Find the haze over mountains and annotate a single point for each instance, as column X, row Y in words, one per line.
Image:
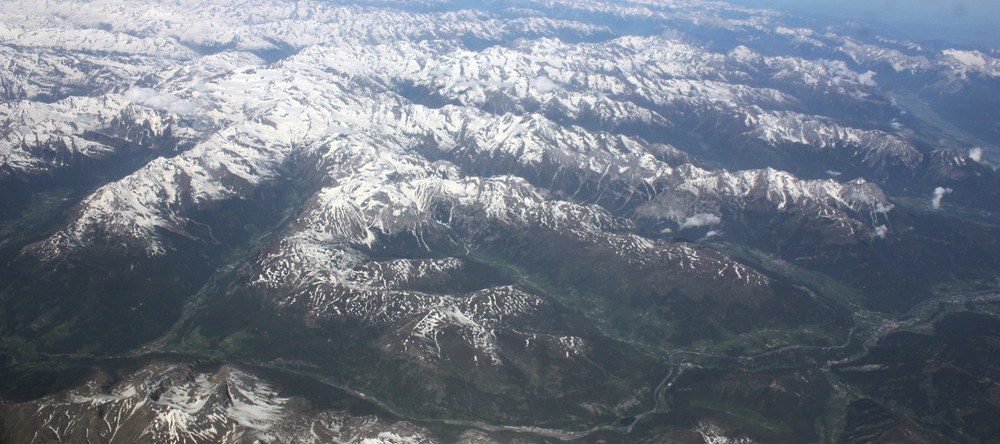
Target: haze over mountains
column 491, row 221
column 956, row 22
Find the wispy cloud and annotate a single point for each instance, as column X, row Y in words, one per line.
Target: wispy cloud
column 701, row 220
column 543, row 84
column 880, row 231
column 155, row 99
column 939, row 192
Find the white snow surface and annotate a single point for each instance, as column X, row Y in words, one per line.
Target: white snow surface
column 338, row 98
column 173, row 403
column 349, row 106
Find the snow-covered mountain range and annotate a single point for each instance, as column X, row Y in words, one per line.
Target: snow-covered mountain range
column 165, row 402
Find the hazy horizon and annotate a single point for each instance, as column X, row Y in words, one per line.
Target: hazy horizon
column 960, row 21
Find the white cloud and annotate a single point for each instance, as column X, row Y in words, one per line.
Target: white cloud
column 939, row 192
column 543, row 84
column 701, row 220
column 867, row 78
column 833, row 173
column 976, row 154
column 712, row 233
column 880, row 231
column 164, row 101
column 858, row 196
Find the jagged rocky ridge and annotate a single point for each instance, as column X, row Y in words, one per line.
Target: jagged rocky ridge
column 176, row 403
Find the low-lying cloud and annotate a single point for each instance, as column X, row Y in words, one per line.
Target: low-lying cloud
column 976, row 154
column 939, row 192
column 543, row 84
column 164, row 101
column 880, row 231
column 701, row 220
